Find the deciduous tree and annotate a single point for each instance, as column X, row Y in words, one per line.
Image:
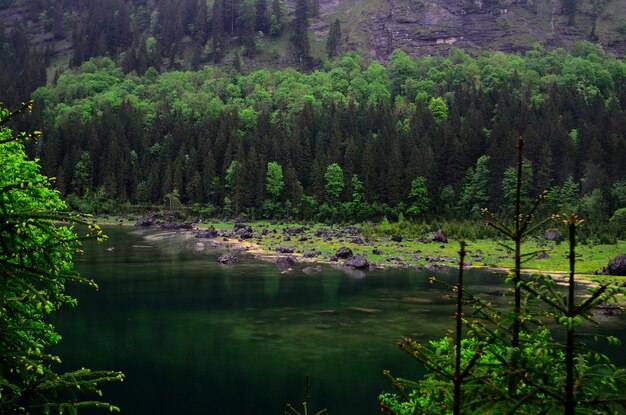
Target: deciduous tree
column 35, row 265
column 334, row 183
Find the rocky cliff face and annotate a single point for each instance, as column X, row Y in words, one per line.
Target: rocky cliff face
column 419, row 27
column 424, row 27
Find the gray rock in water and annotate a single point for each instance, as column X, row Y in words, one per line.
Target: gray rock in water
column 312, row 270
column 439, row 236
column 285, row 262
column 358, row 262
column 344, row 253
column 227, row 259
column 617, row 266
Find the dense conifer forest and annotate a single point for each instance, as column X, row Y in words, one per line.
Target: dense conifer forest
column 166, row 102
column 42, row 38
column 356, row 140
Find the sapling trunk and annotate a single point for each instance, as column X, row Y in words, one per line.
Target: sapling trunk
column 518, row 244
column 570, row 403
column 458, row 380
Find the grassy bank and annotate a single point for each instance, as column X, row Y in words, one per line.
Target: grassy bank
column 410, row 251
column 419, row 251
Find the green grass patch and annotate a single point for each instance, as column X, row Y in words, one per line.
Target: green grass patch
column 415, row 250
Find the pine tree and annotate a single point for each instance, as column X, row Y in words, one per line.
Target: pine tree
column 334, row 39
column 230, row 15
column 246, row 23
column 201, row 22
column 262, row 18
column 301, row 35
column 276, row 19
column 218, row 30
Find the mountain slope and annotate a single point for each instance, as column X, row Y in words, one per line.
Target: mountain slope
column 432, row 27
column 40, row 39
column 420, row 27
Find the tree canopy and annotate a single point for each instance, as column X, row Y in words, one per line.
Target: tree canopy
column 431, row 117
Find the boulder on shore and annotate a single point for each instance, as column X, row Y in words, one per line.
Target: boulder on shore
column 439, row 236
column 352, row 230
column 344, row 253
column 210, row 233
column 437, row 267
column 358, row 262
column 358, row 240
column 170, row 226
column 616, row 266
column 553, row 235
column 243, row 231
column 285, row 249
column 396, row 238
column 144, row 222
column 293, row 231
column 322, row 232
column 227, row 259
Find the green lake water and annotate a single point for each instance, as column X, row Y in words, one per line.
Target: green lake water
column 197, row 337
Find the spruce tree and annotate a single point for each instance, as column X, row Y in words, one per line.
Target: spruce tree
column 334, row 39
column 276, row 19
column 200, row 22
column 301, row 35
column 262, row 18
column 218, row 30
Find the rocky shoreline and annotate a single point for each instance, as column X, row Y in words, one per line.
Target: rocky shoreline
column 290, row 250
column 346, row 247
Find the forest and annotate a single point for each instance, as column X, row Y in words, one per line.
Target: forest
column 51, row 36
column 430, row 137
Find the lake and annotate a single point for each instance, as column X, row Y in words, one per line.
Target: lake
column 196, row 337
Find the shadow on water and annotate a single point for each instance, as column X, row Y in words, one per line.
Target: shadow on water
column 196, row 337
